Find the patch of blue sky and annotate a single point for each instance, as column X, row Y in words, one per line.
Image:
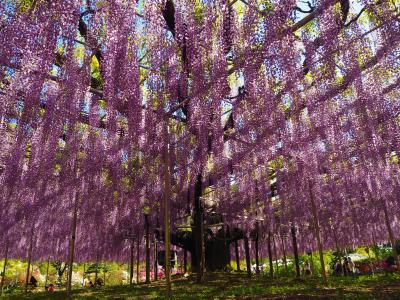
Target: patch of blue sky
column 55, row 70
column 13, row 121
column 102, row 112
column 125, row 156
column 322, row 145
column 85, row 106
column 19, row 105
column 140, row 23
column 43, row 93
column 60, row 42
column 9, row 10
column 349, row 135
column 355, row 7
column 9, row 7
column 287, row 100
column 10, row 71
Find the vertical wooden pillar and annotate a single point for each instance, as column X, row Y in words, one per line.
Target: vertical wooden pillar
column 155, row 259
column 336, row 240
column 72, row 242
column 147, row 236
column 317, row 230
column 312, row 263
column 370, row 260
column 3, row 276
column 47, row 271
column 188, row 212
column 97, row 271
column 132, row 261
column 185, row 261
column 257, row 257
column 389, row 229
column 295, row 250
column 275, row 253
column 247, row 252
column 104, row 277
column 167, row 193
column 83, row 276
column 237, row 255
column 29, row 262
column 284, row 252
column 256, row 246
column 97, row 264
column 271, row 265
column 199, row 229
column 227, row 238
column 374, row 242
column 137, row 260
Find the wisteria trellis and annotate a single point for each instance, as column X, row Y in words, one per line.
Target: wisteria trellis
column 253, row 92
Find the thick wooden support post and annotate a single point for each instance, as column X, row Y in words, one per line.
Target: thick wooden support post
column 256, row 246
column 317, row 230
column 237, row 255
column 132, row 261
column 96, row 274
column 47, row 271
column 147, row 236
column 199, row 230
column 155, row 259
column 137, row 259
column 83, row 276
column 247, row 252
column 72, row 243
column 336, row 240
column 390, row 231
column 29, row 262
column 185, row 252
column 167, row 194
column 3, row 275
column 227, row 237
column 275, row 253
column 271, row 265
column 185, row 261
column 257, row 257
column 284, row 252
column 295, row 250
column 377, row 256
column 312, row 263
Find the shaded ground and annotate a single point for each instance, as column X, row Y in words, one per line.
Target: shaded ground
column 238, row 286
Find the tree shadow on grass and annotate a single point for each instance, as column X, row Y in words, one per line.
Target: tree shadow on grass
column 239, row 286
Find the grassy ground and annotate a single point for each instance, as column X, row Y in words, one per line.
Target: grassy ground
column 238, row 286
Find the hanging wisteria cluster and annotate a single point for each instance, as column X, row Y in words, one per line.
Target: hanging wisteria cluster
column 285, row 113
